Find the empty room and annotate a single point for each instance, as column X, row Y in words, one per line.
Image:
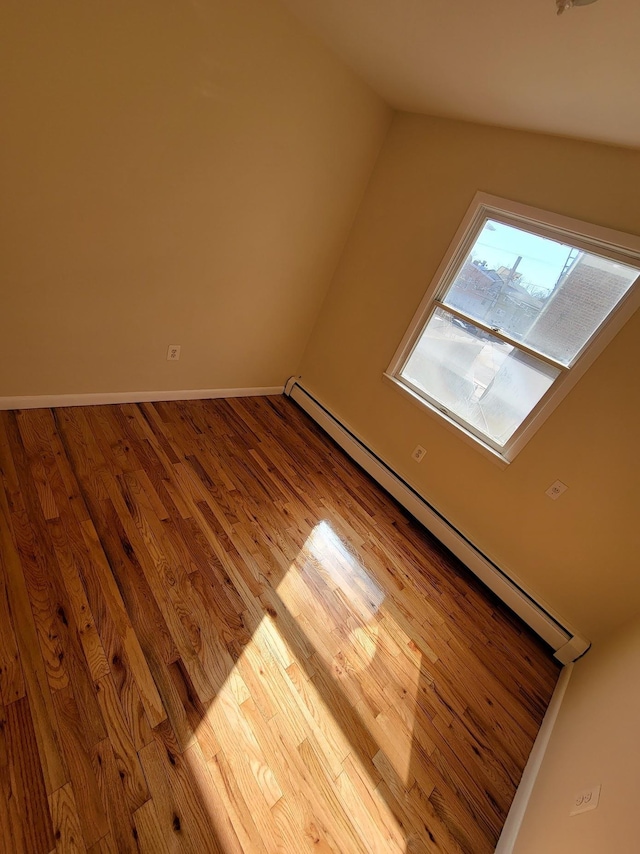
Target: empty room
column 319, row 467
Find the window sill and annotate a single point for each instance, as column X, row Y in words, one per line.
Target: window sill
column 495, row 457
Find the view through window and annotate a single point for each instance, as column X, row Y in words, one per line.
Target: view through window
column 509, row 322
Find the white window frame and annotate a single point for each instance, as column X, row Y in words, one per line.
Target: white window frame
column 605, row 242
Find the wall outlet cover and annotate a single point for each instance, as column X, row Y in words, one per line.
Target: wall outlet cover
column 556, row 489
column 586, row 800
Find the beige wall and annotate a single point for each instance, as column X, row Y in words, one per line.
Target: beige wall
column 579, row 554
column 596, row 739
column 172, row 173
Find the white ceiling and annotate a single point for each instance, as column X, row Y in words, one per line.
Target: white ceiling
column 506, row 62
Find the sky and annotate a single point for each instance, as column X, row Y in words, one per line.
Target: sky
column 542, row 259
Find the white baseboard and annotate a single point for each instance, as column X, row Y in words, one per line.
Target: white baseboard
column 520, row 802
column 48, row 401
column 566, row 643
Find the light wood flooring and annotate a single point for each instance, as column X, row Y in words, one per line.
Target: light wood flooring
column 218, row 635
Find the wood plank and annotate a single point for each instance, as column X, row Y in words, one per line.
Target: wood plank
column 121, row 743
column 181, row 813
column 115, row 800
column 27, row 781
column 11, row 677
column 69, row 564
column 103, row 846
column 341, row 819
column 236, row 806
column 122, row 645
column 58, row 633
column 66, row 822
column 298, row 823
column 213, row 802
column 11, row 831
column 78, row 751
column 33, row 667
column 216, row 633
column 195, row 711
column 151, row 835
column 70, row 426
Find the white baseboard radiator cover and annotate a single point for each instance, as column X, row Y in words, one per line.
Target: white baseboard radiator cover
column 567, row 644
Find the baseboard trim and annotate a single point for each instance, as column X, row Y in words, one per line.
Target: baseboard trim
column 48, row 401
column 567, row 644
column 519, row 805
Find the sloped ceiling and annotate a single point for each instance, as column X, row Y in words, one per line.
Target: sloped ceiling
column 506, row 62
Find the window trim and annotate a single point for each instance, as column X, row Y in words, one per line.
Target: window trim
column 614, row 245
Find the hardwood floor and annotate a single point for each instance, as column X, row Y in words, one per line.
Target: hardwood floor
column 217, row 634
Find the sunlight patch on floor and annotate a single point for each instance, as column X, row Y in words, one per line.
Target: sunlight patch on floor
column 360, row 643
column 329, row 622
column 342, row 567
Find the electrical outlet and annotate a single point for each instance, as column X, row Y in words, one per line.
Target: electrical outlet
column 418, row 453
column 556, row 489
column 173, row 353
column 586, row 800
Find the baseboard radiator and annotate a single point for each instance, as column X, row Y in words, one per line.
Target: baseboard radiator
column 567, row 644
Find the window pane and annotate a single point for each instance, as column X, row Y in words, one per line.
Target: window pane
column 546, row 294
column 488, row 384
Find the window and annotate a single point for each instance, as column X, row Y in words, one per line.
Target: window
column 521, row 305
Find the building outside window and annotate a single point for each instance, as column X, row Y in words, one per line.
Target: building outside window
column 521, row 305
